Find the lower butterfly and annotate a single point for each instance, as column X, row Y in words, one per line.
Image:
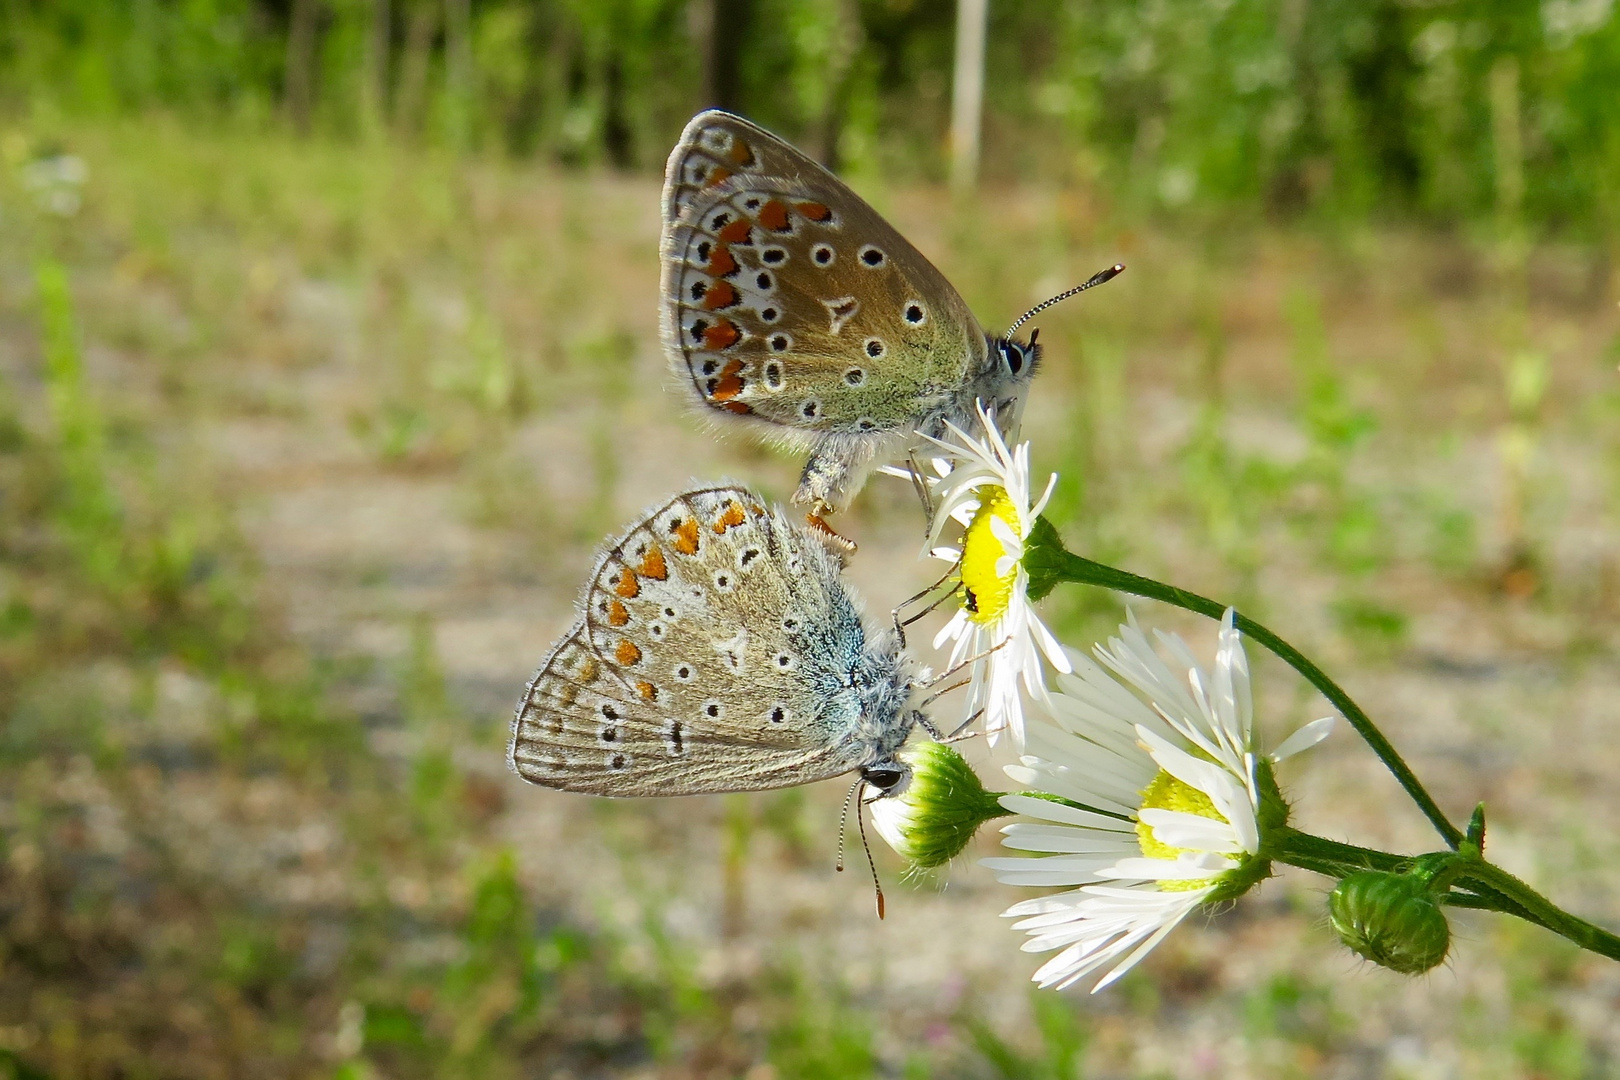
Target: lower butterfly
column 718, row 650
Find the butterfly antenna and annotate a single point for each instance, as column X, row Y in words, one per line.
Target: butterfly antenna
column 1092, row 282
column 843, row 823
column 860, row 819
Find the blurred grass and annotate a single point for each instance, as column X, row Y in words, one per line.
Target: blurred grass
column 254, row 817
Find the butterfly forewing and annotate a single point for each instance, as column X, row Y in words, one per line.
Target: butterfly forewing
column 788, row 298
column 707, row 634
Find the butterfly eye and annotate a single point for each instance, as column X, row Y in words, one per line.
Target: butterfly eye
column 872, row 256
column 914, row 313
column 884, row 777
column 1013, row 357
column 822, row 254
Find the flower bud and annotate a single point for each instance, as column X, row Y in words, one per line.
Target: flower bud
column 1391, row 919
column 933, row 818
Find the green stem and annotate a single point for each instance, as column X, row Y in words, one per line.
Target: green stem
column 1048, row 562
column 1480, row 885
column 1487, row 879
column 1331, row 857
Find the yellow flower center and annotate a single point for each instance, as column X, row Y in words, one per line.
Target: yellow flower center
column 1168, row 793
column 985, row 593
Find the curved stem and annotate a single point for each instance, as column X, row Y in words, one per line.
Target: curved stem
column 1333, row 858
column 1486, row 879
column 1478, row 884
column 1048, row 562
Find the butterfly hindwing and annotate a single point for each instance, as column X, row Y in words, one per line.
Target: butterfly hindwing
column 788, row 298
column 708, row 631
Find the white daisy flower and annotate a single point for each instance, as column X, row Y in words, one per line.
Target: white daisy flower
column 985, row 487
column 1152, row 807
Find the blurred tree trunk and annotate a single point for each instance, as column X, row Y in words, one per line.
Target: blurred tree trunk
column 374, row 81
column 299, row 88
column 720, row 27
column 458, row 70
column 846, row 45
column 411, row 100
column 967, row 92
column 616, row 135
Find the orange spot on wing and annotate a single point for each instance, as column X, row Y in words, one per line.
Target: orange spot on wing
column 732, row 517
column 815, row 211
column 729, row 384
column 588, row 670
column 686, row 537
column 618, row 614
column 628, row 587
column 647, row 690
column 720, row 295
column 627, row 653
column 722, row 335
column 738, row 232
column 718, row 176
column 652, row 565
column 741, row 407
column 721, row 263
column 774, row 216
column 741, row 153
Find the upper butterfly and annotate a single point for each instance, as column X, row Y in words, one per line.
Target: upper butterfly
column 789, row 301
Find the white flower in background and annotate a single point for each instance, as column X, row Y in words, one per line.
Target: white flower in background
column 985, row 487
column 1154, row 807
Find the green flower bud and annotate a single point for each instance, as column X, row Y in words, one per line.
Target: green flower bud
column 1391, row 919
column 932, row 820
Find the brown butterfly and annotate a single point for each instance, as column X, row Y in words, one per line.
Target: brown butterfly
column 791, row 305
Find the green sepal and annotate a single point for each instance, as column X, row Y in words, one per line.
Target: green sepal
column 1044, row 556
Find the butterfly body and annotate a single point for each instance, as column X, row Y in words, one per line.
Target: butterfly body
column 718, row 650
column 791, row 304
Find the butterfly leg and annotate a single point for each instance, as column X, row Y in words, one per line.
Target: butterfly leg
column 958, row 733
column 817, row 520
column 837, row 469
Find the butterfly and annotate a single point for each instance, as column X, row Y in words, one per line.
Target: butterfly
column 790, row 304
column 718, row 650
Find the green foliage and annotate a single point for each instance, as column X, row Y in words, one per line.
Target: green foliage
column 1344, row 109
column 819, row 1036
column 1063, row 1038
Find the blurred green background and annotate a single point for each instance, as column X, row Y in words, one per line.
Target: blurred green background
column 328, row 354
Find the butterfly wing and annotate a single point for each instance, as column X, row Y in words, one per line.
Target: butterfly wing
column 787, row 298
column 712, row 655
